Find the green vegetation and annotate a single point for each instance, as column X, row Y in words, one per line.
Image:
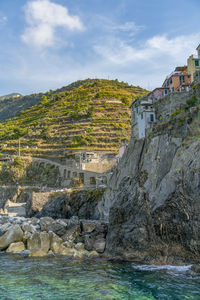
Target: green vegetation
column 24, row 171
column 192, row 101
column 176, row 112
column 90, row 114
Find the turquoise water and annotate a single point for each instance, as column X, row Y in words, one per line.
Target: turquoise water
column 61, row 278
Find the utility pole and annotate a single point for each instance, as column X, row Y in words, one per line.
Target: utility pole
column 19, row 147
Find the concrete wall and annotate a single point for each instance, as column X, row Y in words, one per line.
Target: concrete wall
column 67, row 173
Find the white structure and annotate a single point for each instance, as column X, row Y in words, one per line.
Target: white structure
column 198, row 51
column 143, row 116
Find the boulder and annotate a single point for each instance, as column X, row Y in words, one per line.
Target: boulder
column 14, row 234
column 66, row 251
column 68, row 244
column 93, row 254
column 73, row 221
column 55, row 242
column 80, row 238
column 81, row 254
column 99, row 245
column 38, row 254
column 88, row 227
column 4, row 228
column 26, row 236
column 44, row 241
column 16, row 247
column 72, row 233
column 89, row 242
column 79, row 246
column 34, row 243
column 34, row 221
column 39, row 241
column 26, row 227
column 45, row 222
column 5, row 219
column 101, row 228
column 57, row 228
column 196, row 268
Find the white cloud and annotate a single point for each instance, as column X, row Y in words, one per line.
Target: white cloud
column 43, row 18
column 154, row 49
column 129, row 27
column 148, row 63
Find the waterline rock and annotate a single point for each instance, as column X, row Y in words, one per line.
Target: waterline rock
column 73, row 238
column 14, row 234
column 16, row 247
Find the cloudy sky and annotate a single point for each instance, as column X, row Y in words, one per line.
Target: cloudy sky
column 46, row 44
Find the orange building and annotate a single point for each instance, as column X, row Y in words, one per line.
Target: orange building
column 179, row 80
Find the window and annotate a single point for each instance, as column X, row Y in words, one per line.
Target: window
column 141, row 116
column 196, row 63
column 171, row 81
column 83, row 156
column 151, row 117
column 182, row 79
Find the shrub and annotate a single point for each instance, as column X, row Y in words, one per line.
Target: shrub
column 192, row 101
column 176, row 112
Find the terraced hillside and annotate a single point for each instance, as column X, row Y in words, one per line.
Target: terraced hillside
column 91, row 114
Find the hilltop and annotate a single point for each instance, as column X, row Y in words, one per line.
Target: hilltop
column 11, row 105
column 89, row 114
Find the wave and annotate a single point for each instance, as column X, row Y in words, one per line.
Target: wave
column 176, row 269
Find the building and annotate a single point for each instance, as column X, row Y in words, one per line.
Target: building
column 158, row 93
column 143, row 116
column 197, row 77
column 193, row 64
column 179, row 80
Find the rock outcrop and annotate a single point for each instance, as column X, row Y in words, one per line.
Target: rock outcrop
column 153, row 203
column 83, row 203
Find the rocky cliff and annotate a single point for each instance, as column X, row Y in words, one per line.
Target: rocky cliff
column 152, row 201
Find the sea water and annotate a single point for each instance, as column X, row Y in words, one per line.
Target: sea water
column 60, row 278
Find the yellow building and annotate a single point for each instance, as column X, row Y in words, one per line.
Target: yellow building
column 193, row 64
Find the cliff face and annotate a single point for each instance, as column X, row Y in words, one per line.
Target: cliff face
column 153, row 202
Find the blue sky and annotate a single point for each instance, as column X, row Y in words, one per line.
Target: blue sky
column 46, row 44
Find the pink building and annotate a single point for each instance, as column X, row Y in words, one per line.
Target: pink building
column 179, row 80
column 158, row 93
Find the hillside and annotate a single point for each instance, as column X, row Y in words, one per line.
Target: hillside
column 89, row 114
column 10, row 96
column 11, row 106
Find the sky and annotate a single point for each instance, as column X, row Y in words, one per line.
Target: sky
column 47, row 44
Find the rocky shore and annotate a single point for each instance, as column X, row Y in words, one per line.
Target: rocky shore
column 45, row 236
